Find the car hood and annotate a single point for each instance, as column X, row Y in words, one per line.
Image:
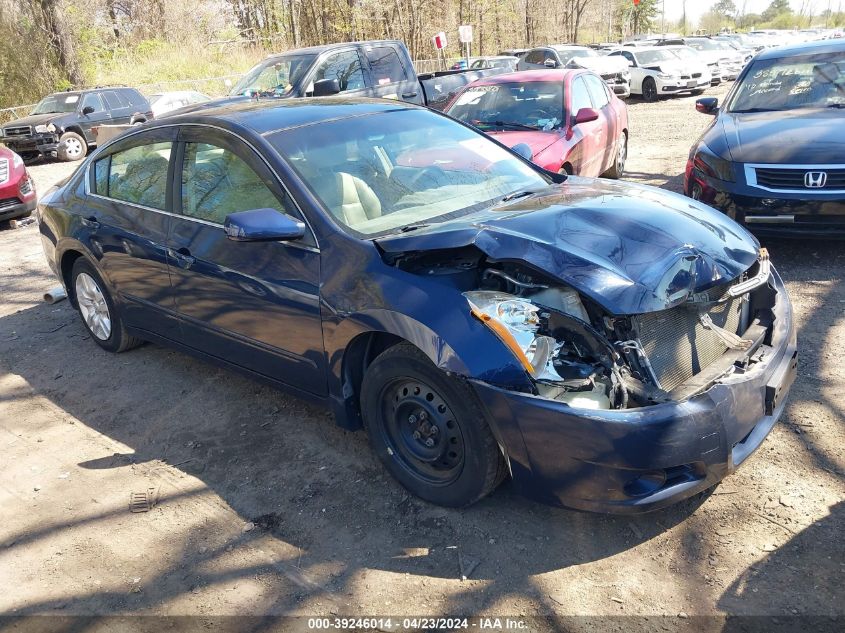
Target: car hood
column 670, row 67
column 630, row 248
column 797, row 137
column 537, row 141
column 600, row 65
column 36, row 119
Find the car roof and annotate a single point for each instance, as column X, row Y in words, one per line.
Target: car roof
column 804, row 48
column 271, row 115
column 316, row 50
column 528, row 76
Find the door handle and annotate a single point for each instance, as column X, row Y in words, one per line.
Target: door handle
column 182, row 256
column 409, row 95
column 91, row 222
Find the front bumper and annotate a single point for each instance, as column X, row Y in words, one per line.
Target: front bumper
column 9, row 209
column 678, row 84
column 770, row 213
column 638, row 460
column 44, row 144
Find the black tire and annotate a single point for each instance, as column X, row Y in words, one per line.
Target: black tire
column 116, row 339
column 404, row 397
column 698, row 92
column 72, row 147
column 649, row 90
column 618, row 168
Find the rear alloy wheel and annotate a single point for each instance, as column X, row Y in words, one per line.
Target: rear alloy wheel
column 429, row 430
column 618, row 168
column 72, row 147
column 649, row 90
column 97, row 309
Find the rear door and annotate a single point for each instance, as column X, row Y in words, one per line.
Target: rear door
column 127, row 219
column 390, row 75
column 120, row 109
column 254, row 304
column 99, row 116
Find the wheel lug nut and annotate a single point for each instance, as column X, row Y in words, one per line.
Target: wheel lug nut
column 429, row 442
column 416, row 435
column 412, row 419
column 434, row 430
column 423, row 415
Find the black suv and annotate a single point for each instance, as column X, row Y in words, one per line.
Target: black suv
column 61, row 124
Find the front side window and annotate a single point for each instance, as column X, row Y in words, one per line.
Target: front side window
column 379, row 173
column 385, row 66
column 137, row 175
column 92, row 100
column 217, row 182
column 345, row 67
column 788, row 83
column 580, row 96
column 511, row 106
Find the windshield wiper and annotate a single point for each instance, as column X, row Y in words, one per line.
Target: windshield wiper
column 517, row 194
column 749, row 110
column 520, row 126
column 412, row 227
column 836, row 105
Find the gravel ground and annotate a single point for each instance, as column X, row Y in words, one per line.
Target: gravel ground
column 265, row 507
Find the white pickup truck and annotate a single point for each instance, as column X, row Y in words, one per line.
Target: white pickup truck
column 614, row 71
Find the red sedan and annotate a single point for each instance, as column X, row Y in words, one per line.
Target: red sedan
column 570, row 119
column 17, row 192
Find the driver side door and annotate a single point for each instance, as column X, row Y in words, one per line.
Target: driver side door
column 253, row 304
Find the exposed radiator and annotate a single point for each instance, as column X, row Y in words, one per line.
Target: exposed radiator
column 678, row 346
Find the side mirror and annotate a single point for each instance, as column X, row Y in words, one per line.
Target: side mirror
column 326, row 87
column 262, row 225
column 630, row 63
column 87, row 110
column 585, row 115
column 707, row 105
column 550, row 63
column 524, row 150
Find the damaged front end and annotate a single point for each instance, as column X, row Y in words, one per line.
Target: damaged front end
column 578, row 353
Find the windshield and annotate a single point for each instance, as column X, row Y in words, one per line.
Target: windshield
column 379, row 173
column 704, row 45
column 511, row 106
column 788, row 83
column 274, row 77
column 566, row 54
column 57, row 103
column 644, row 58
column 684, row 52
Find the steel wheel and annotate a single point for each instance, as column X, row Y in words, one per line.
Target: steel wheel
column 421, row 431
column 93, row 306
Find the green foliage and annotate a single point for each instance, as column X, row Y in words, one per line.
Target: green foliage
column 775, row 9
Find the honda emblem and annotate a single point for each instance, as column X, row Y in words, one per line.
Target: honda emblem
column 815, row 179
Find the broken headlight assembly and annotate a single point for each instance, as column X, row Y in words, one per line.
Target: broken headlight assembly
column 561, row 352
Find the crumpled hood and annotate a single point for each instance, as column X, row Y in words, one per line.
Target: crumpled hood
column 36, row 119
column 630, row 248
column 808, row 137
column 669, row 67
column 600, row 65
column 537, row 141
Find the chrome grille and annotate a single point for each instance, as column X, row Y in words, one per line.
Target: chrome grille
column 4, row 170
column 794, row 178
column 20, row 130
column 676, row 343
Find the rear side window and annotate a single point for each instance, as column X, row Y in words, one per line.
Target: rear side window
column 112, row 100
column 385, row 65
column 137, row 175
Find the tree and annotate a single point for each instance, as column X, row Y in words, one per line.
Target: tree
column 776, row 8
column 725, row 8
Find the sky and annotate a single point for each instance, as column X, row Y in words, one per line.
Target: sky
column 695, row 8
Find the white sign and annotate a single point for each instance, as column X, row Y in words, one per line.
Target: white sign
column 439, row 40
column 465, row 33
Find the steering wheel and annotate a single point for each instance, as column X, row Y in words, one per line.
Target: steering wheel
column 433, row 172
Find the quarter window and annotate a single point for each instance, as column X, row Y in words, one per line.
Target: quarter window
column 345, row 67
column 137, row 175
column 385, row 65
column 216, row 182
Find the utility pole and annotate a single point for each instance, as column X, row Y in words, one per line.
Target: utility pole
column 684, row 17
column 663, row 17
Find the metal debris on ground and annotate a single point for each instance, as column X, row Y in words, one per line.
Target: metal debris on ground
column 21, row 222
column 143, row 501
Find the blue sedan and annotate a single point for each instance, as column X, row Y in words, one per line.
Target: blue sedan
column 608, row 346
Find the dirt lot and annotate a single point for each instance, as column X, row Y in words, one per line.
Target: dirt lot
column 265, row 507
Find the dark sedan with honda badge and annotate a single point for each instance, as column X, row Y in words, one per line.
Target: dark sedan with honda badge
column 608, row 346
column 774, row 156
